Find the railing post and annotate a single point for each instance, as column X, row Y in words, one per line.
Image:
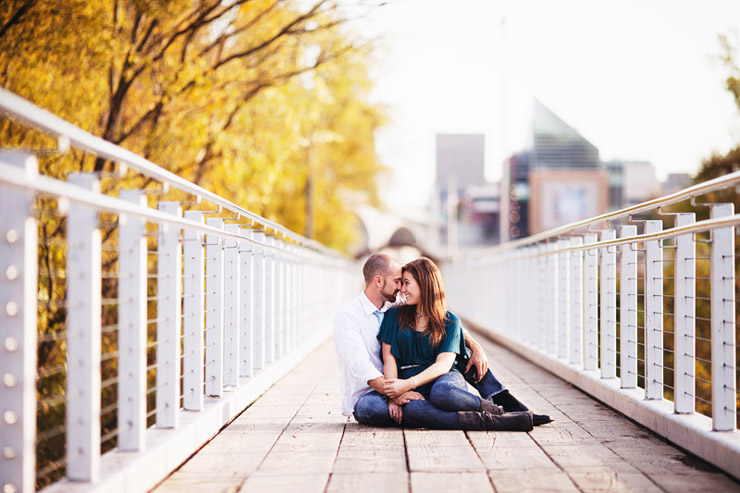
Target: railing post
column 18, row 314
column 551, row 325
column 576, row 302
column 563, row 299
column 653, row 313
column 292, row 297
column 532, row 275
column 83, row 336
column 685, row 318
column 259, row 302
column 232, row 307
column 723, row 322
column 193, row 285
column 590, row 304
column 214, row 367
column 281, row 285
column 247, row 311
column 132, row 328
column 608, row 308
column 628, row 310
column 169, row 319
column 270, row 301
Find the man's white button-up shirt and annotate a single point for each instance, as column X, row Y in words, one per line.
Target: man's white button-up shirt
column 358, row 349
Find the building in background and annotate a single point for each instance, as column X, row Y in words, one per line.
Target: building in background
column 462, row 195
column 558, row 180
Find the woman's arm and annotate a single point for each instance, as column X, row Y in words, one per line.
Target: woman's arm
column 394, row 387
column 390, row 368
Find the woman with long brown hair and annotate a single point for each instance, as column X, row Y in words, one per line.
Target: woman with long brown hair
column 420, row 342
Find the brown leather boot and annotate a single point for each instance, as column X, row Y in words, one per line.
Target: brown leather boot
column 482, row 420
column 490, row 407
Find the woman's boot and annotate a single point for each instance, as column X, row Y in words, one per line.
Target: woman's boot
column 483, row 420
column 490, row 407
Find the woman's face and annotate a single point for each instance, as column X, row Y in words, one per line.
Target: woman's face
column 410, row 289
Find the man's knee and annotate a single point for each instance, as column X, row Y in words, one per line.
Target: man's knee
column 371, row 410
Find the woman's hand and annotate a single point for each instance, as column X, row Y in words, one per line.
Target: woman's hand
column 394, row 387
column 407, row 397
column 395, row 411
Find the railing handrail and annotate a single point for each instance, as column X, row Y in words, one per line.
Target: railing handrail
column 702, row 188
column 33, row 115
column 697, row 227
column 43, row 184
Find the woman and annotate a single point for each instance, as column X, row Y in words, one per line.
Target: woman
column 420, row 342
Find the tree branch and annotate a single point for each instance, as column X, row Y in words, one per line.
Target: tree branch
column 17, row 16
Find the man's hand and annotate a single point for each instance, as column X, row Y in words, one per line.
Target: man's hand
column 407, row 397
column 394, row 387
column 478, row 359
column 395, row 411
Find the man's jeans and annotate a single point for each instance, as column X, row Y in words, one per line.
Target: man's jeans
column 449, row 394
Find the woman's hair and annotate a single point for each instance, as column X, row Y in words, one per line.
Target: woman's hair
column 432, row 300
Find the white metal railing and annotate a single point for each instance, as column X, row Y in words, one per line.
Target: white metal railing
column 645, row 322
column 174, row 316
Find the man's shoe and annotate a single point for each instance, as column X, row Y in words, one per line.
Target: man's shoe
column 490, row 407
column 485, row 421
column 508, row 402
column 541, row 419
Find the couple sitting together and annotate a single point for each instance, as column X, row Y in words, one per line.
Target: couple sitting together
column 404, row 359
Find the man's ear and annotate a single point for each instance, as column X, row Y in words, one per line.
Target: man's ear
column 378, row 280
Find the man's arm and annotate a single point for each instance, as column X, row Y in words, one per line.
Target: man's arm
column 352, row 350
column 478, row 357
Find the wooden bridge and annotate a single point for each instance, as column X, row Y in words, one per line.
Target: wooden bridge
column 203, row 306
column 294, row 438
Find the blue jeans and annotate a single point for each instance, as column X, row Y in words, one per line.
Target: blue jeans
column 448, row 395
column 488, row 385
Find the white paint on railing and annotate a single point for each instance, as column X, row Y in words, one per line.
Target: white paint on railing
column 132, row 326
column 169, row 319
column 685, row 318
column 18, row 287
column 83, row 336
column 214, row 323
column 590, row 303
column 563, row 299
column 232, row 308
column 246, row 309
column 551, row 301
column 608, row 308
column 653, row 313
column 259, row 303
column 576, row 302
column 723, row 323
column 628, row 310
column 192, row 316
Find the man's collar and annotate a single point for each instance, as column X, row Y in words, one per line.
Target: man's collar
column 369, row 307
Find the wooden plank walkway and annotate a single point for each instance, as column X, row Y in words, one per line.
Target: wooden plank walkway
column 294, row 438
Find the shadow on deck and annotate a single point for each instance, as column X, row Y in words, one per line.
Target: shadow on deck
column 294, row 438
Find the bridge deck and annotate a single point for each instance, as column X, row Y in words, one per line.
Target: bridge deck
column 294, row 437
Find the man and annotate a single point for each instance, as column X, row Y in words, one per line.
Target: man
column 356, row 326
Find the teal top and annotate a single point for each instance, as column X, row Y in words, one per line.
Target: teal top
column 412, row 349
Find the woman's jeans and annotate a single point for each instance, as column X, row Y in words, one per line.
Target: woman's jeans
column 449, row 394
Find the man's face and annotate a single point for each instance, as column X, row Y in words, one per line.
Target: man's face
column 391, row 283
